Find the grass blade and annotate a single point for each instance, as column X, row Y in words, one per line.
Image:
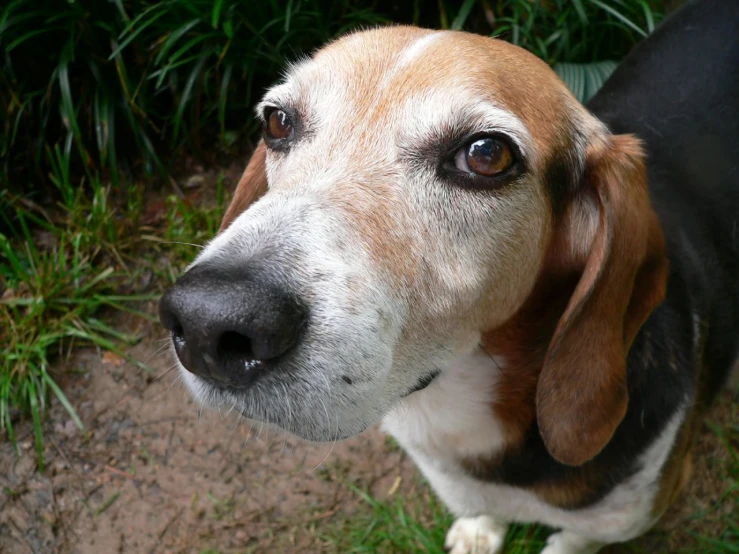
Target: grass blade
column 63, row 400
column 462, row 15
column 187, row 93
column 173, row 38
column 648, row 15
column 618, row 15
column 33, row 400
column 140, row 29
column 215, row 18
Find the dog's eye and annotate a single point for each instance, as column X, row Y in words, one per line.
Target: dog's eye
column 279, row 125
column 484, row 156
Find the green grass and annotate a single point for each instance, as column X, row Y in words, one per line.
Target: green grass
column 57, row 276
column 393, row 525
column 726, row 508
column 119, row 82
column 189, row 226
column 65, row 268
column 411, row 524
column 577, row 30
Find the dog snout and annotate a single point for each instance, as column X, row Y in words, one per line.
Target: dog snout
column 229, row 326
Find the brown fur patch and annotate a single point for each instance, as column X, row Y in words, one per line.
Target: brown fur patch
column 251, row 186
column 582, row 395
column 372, row 207
column 518, row 81
column 577, row 490
column 522, row 342
column 621, row 283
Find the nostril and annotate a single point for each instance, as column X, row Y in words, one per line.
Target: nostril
column 178, row 337
column 178, row 331
column 233, row 345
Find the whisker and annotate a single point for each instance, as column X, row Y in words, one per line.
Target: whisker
column 178, row 242
column 289, row 415
column 248, row 433
column 328, row 426
column 170, row 368
column 332, row 444
column 177, row 378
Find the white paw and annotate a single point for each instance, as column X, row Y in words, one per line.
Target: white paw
column 566, row 542
column 475, row 535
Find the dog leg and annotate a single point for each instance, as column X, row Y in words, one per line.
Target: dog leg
column 567, row 542
column 476, row 535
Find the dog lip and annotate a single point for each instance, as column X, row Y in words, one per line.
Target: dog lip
column 423, row 382
column 224, row 386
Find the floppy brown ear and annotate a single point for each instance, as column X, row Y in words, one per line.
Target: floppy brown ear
column 252, row 185
column 582, row 395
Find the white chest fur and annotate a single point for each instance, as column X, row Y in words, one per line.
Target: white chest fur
column 453, row 418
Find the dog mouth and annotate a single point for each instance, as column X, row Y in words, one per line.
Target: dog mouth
column 423, row 382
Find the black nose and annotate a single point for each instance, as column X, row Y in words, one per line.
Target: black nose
column 227, row 324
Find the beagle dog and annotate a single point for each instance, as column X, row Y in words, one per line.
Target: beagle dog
column 434, row 234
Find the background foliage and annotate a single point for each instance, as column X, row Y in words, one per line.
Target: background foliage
column 94, row 86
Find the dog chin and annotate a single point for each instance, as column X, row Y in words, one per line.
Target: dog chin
column 266, row 409
column 320, row 435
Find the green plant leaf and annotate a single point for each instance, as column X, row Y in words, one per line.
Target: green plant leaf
column 63, row 400
column 172, row 39
column 216, row 16
column 462, row 15
column 621, row 17
column 584, row 80
column 187, row 93
column 33, row 398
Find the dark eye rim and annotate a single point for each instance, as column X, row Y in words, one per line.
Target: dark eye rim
column 274, row 143
column 449, row 171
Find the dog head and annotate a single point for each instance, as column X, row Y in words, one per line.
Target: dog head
column 411, row 189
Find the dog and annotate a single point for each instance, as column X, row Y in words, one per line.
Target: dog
column 538, row 300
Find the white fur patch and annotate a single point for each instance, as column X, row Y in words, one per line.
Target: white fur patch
column 430, row 111
column 476, row 535
column 452, row 416
column 408, row 56
column 565, row 542
column 415, row 50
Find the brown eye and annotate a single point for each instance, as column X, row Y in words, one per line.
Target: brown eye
column 485, row 156
column 279, row 125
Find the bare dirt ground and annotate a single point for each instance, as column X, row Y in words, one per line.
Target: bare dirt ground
column 151, row 475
